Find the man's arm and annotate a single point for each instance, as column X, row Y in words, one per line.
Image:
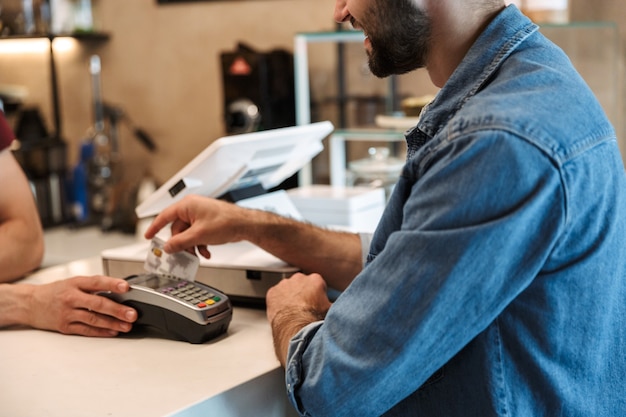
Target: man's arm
column 198, row 221
column 21, row 235
column 335, row 255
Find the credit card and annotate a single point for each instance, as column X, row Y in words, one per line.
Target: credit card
column 180, row 264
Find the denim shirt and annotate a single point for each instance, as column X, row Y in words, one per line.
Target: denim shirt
column 496, row 279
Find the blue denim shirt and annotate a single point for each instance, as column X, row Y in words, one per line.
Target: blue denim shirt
column 496, row 281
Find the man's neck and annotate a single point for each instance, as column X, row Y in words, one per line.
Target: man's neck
column 456, row 26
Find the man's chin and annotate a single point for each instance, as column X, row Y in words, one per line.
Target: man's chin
column 379, row 71
column 385, row 68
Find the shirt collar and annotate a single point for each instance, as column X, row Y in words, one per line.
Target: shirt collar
column 501, row 37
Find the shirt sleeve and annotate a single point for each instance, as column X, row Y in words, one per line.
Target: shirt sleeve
column 468, row 245
column 293, row 371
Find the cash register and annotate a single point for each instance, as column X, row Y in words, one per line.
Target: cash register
column 242, row 168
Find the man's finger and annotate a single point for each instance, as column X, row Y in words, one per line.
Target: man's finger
column 160, row 221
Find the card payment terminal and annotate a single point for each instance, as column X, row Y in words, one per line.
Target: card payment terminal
column 177, row 308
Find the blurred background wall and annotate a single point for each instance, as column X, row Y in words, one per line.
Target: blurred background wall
column 161, row 66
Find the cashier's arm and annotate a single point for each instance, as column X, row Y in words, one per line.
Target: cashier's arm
column 199, row 221
column 21, row 235
column 67, row 306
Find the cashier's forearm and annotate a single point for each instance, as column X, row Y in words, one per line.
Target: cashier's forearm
column 21, row 235
column 23, row 249
column 14, row 301
column 334, row 255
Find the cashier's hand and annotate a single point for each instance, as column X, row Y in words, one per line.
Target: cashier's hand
column 70, row 307
column 198, row 222
column 292, row 304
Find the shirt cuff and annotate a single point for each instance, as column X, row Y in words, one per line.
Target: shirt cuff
column 294, row 367
column 366, row 241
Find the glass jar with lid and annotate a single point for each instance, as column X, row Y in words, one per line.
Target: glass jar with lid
column 378, row 170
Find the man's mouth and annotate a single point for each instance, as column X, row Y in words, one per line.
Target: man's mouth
column 357, row 26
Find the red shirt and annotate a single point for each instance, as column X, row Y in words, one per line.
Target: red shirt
column 6, row 135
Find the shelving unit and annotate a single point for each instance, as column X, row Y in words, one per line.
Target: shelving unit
column 303, row 102
column 47, row 173
column 54, row 87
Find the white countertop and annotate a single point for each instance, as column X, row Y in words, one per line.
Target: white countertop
column 50, row 374
column 65, row 244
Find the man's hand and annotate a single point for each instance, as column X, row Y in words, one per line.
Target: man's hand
column 69, row 306
column 197, row 222
column 291, row 305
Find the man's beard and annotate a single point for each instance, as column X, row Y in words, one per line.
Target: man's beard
column 399, row 37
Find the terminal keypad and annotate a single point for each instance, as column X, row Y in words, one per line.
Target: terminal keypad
column 192, row 294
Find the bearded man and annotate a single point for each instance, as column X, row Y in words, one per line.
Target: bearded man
column 495, row 282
